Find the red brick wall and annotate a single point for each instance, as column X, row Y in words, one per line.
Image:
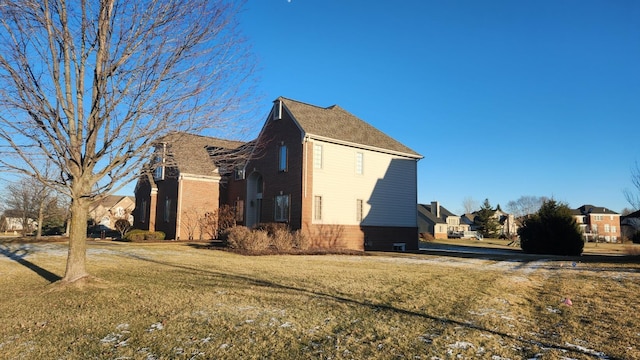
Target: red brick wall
column 275, row 133
column 197, row 197
column 354, row 237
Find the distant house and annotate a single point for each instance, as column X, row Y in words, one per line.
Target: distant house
column 630, row 224
column 107, row 211
column 318, row 169
column 598, row 223
column 507, row 225
column 441, row 223
column 15, row 221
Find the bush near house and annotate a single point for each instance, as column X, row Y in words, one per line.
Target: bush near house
column 552, row 230
column 270, row 236
column 137, row 235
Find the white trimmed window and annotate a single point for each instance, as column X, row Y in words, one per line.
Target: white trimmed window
column 606, row 228
column 317, row 207
column 359, row 210
column 317, row 156
column 359, row 163
column 281, row 212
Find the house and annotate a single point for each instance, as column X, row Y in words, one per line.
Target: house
column 183, row 185
column 507, row 225
column 108, row 210
column 14, row 221
column 598, row 223
column 318, row 169
column 439, row 222
column 630, row 225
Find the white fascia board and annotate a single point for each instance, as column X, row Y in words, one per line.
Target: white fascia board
column 361, row 146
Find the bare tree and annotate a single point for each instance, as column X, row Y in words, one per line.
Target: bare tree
column 470, row 205
column 633, row 195
column 525, row 205
column 89, row 85
column 21, row 203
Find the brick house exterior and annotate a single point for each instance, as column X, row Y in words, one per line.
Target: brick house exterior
column 599, row 223
column 436, row 220
column 321, row 170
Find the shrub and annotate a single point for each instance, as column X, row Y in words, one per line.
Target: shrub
column 300, row 240
column 552, row 230
column 425, row 236
column 282, row 240
column 237, row 236
column 272, row 227
column 137, row 235
column 242, row 238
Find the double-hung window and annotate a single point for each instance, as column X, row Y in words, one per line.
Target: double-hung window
column 281, row 212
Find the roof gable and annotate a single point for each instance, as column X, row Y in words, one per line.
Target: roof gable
column 335, row 123
column 191, row 154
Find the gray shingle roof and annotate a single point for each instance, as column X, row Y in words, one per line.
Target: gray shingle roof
column 585, row 209
column 334, row 122
column 188, row 152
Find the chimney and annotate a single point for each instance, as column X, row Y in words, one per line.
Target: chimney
column 435, row 208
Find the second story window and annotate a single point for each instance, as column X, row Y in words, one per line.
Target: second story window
column 317, row 156
column 282, row 158
column 359, row 163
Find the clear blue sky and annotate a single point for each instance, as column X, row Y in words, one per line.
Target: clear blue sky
column 502, row 98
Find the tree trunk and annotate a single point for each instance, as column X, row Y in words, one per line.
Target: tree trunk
column 40, row 221
column 76, row 259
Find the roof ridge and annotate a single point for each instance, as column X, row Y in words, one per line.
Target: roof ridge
column 309, row 104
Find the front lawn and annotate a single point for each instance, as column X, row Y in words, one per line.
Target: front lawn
column 176, row 301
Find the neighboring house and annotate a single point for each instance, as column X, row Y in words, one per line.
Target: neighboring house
column 507, row 224
column 439, row 222
column 630, row 224
column 318, row 169
column 12, row 221
column 598, row 223
column 107, row 211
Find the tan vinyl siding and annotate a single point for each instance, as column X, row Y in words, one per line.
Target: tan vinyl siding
column 387, row 187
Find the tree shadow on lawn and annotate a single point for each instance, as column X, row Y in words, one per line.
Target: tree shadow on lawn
column 18, row 255
column 374, row 306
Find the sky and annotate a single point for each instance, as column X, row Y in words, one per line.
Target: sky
column 502, row 98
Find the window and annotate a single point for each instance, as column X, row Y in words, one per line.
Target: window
column 359, row 163
column 282, row 158
column 239, row 173
column 606, row 228
column 598, row 217
column 614, row 229
column 143, row 212
column 276, row 114
column 120, row 212
column 317, row 156
column 594, row 228
column 359, row 210
column 159, row 162
column 317, row 208
column 282, row 208
column 158, row 172
column 167, row 209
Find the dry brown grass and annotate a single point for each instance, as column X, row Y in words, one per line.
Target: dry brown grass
column 168, row 301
